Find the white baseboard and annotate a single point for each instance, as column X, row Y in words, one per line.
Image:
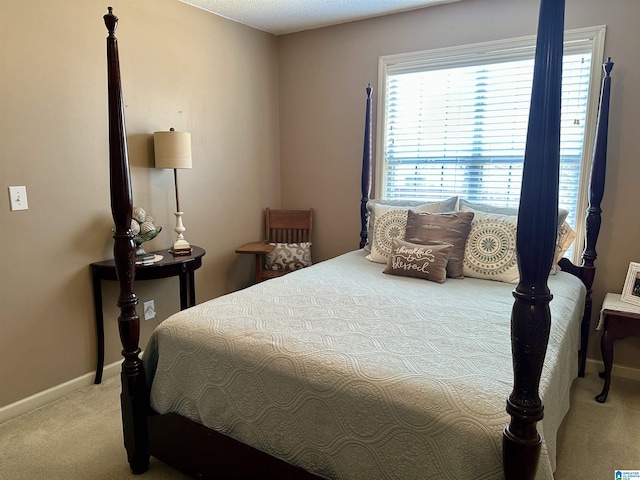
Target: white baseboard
column 596, row 366
column 55, row 393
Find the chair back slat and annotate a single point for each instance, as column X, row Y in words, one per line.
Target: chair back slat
column 288, row 226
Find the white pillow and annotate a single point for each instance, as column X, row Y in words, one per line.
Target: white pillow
column 490, row 252
column 466, row 205
column 497, row 261
column 566, row 236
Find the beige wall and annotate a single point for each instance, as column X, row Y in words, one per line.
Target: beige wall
column 255, row 104
column 323, row 74
column 181, row 67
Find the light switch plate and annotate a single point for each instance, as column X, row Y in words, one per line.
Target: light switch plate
column 18, row 198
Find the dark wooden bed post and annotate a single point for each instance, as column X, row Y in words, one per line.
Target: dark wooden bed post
column 367, row 170
column 535, row 244
column 587, row 271
column 134, row 397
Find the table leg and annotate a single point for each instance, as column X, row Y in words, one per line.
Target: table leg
column 184, row 288
column 606, row 347
column 97, row 308
column 192, row 289
column 258, row 262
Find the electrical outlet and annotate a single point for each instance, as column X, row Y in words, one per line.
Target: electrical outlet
column 18, row 198
column 149, row 310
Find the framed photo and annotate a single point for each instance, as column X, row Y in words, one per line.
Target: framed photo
column 631, row 290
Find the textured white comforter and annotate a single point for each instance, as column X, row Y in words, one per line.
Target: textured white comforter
column 354, row 374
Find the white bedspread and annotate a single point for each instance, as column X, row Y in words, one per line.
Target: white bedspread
column 354, row 374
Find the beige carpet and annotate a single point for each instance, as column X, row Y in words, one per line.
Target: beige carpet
column 599, row 438
column 77, row 437
column 80, row 437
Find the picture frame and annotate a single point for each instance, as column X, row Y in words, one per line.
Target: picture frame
column 631, row 290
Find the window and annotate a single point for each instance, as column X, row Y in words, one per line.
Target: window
column 454, row 121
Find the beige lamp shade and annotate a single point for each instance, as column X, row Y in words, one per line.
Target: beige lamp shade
column 172, row 149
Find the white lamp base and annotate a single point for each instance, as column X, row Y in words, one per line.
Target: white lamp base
column 181, row 246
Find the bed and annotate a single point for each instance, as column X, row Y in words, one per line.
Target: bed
column 336, row 371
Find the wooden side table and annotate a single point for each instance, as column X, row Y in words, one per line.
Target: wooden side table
column 182, row 266
column 619, row 320
column 258, row 249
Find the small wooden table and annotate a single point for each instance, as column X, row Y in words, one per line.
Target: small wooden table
column 257, row 249
column 182, row 266
column 619, row 320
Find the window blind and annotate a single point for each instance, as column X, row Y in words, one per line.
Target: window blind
column 455, row 123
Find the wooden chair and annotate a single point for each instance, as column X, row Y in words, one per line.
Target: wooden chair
column 281, row 226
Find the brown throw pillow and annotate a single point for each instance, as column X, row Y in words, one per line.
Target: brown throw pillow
column 420, row 261
column 425, row 228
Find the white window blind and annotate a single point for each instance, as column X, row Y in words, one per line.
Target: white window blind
column 454, row 121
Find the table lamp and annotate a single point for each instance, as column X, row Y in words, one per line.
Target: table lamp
column 173, row 150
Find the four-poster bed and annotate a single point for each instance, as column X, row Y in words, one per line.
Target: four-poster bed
column 159, row 421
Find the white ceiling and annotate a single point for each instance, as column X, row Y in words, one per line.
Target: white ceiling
column 288, row 16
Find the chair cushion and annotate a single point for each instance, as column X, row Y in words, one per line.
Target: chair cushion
column 288, row 256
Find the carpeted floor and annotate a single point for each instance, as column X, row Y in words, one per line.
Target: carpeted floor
column 600, row 438
column 77, row 437
column 80, row 437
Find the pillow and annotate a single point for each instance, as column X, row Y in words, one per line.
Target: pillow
column 288, row 256
column 566, row 236
column 490, row 252
column 390, row 224
column 466, row 205
column 452, row 228
column 448, row 205
column 420, row 261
